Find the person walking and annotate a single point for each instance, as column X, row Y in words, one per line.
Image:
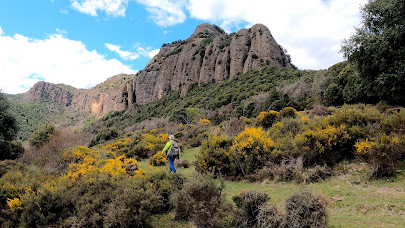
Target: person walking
column 172, row 151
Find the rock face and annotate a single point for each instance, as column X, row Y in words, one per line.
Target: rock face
column 49, row 91
column 110, row 95
column 208, row 55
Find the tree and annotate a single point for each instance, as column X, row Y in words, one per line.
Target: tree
column 378, row 50
column 42, row 135
column 9, row 149
column 333, row 95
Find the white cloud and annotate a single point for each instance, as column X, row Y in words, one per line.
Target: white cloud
column 113, row 8
column 61, row 31
column 1, row 31
column 152, row 53
column 127, row 55
column 56, row 59
column 165, row 12
column 310, row 30
column 64, row 11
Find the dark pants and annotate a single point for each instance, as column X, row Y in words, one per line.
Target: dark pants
column 171, row 162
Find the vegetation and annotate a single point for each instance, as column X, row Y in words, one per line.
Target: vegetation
column 258, row 150
column 9, row 148
column 378, row 51
column 42, row 135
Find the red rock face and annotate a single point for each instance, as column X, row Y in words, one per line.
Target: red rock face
column 209, row 54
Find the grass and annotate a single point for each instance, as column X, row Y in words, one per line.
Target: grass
column 353, row 200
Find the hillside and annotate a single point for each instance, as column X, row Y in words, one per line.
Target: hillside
column 64, row 105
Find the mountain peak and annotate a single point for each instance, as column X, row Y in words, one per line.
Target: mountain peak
column 208, row 29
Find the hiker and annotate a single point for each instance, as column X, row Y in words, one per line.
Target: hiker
column 173, row 152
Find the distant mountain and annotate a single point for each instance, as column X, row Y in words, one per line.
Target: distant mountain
column 65, row 105
column 209, row 55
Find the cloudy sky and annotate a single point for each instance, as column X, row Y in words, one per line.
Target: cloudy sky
column 83, row 42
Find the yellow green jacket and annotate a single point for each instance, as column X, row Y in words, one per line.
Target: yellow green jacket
column 168, row 147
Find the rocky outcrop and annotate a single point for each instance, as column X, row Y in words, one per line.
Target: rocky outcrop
column 208, row 55
column 110, row 95
column 48, row 91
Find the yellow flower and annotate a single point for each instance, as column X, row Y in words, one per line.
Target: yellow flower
column 14, row 203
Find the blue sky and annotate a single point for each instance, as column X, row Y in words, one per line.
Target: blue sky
column 83, row 42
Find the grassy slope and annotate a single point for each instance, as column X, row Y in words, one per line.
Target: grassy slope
column 368, row 204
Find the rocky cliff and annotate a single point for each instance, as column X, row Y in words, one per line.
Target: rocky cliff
column 50, row 92
column 208, row 55
column 99, row 100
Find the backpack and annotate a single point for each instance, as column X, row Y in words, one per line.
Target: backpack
column 174, row 150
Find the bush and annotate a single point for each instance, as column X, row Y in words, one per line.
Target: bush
column 42, row 135
column 250, row 151
column 383, row 153
column 325, row 145
column 249, row 203
column 8, row 130
column 213, row 156
column 46, row 209
column 162, row 184
column 103, row 136
column 200, row 201
column 147, row 144
column 132, row 206
column 269, row 216
column 306, row 210
column 184, row 163
column 333, row 95
column 355, row 115
column 292, row 169
column 395, row 121
column 288, row 112
column 158, row 159
column 267, row 119
column 289, row 169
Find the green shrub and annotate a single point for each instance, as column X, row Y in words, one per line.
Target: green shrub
column 324, row 145
column 163, row 185
column 46, row 209
column 8, row 130
column 132, row 206
column 104, row 136
column 355, row 115
column 42, row 135
column 333, row 95
column 249, row 203
column 158, row 159
column 288, row 112
column 213, row 156
column 250, row 151
column 200, row 201
column 395, row 121
column 267, row 119
column 383, row 153
column 306, row 210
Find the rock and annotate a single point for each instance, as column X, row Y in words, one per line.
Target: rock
column 208, row 55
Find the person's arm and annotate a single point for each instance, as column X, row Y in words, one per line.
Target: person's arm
column 168, row 144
